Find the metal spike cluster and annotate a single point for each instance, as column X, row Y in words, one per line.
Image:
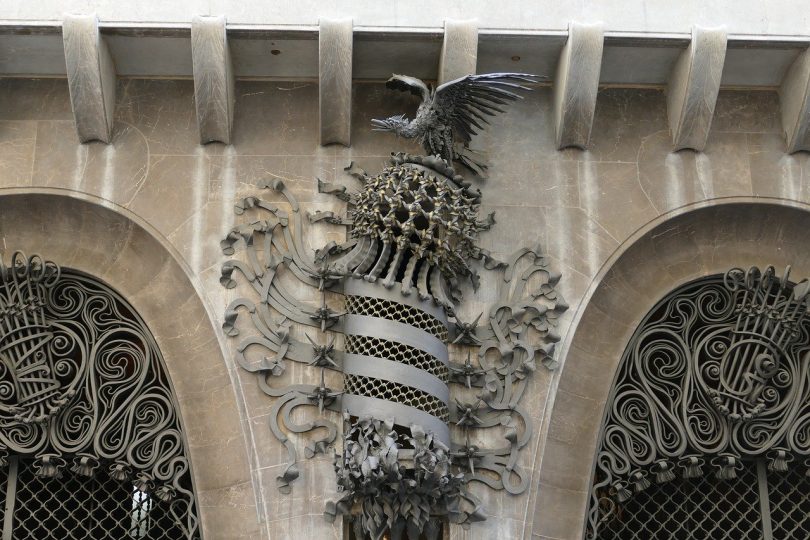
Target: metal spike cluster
column 422, row 215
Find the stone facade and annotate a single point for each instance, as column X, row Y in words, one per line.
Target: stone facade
column 625, row 222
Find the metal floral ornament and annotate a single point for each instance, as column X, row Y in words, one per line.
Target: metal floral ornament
column 393, row 290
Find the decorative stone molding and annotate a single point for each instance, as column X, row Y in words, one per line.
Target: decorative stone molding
column 213, row 79
column 459, row 56
column 794, row 95
column 335, row 42
column 91, row 78
column 693, row 88
column 576, row 85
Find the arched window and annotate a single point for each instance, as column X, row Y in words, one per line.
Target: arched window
column 91, row 445
column 707, row 428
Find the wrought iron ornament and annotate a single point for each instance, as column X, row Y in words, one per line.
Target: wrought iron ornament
column 83, row 392
column 454, row 111
column 715, row 378
column 413, row 242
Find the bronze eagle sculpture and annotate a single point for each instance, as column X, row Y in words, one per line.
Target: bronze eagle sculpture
column 449, row 115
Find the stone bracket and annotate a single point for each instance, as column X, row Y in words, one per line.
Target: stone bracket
column 693, row 87
column 794, row 95
column 335, row 40
column 213, row 79
column 91, row 77
column 576, row 84
column 459, row 55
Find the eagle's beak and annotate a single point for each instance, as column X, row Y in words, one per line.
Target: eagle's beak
column 379, row 125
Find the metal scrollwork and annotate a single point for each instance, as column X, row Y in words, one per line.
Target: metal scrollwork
column 82, row 385
column 715, row 375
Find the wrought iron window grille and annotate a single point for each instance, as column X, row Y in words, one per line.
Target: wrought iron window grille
column 707, row 429
column 90, row 442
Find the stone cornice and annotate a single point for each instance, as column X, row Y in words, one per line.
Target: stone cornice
column 628, row 58
column 287, row 52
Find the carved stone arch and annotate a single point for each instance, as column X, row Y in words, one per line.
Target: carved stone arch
column 96, row 238
column 675, row 249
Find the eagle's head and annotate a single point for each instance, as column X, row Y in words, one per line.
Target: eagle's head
column 398, row 124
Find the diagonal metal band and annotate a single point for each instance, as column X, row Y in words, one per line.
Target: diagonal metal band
column 395, row 331
column 402, row 415
column 395, row 311
column 358, row 287
column 397, row 352
column 380, row 368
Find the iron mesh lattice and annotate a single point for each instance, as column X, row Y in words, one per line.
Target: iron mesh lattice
column 684, row 509
column 97, row 508
column 397, row 352
column 789, row 496
column 398, row 393
column 394, row 311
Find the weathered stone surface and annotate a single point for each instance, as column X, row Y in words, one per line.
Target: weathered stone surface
column 114, row 171
column 335, row 40
column 459, row 50
column 17, row 143
column 163, row 112
column 576, row 84
column 693, row 88
column 794, row 94
column 560, row 512
column 775, row 173
column 91, row 77
column 219, row 506
column 213, row 79
column 686, row 177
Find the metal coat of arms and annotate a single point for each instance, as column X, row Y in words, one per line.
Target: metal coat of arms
column 406, row 459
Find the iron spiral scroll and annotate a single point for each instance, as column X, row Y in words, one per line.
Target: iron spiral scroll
column 715, row 380
column 84, row 395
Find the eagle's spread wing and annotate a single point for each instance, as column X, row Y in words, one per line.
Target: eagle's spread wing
column 403, row 83
column 466, row 102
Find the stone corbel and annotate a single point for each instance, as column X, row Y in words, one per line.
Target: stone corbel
column 213, row 79
column 794, row 96
column 459, row 50
column 576, row 85
column 91, row 78
column 693, row 87
column 335, row 40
